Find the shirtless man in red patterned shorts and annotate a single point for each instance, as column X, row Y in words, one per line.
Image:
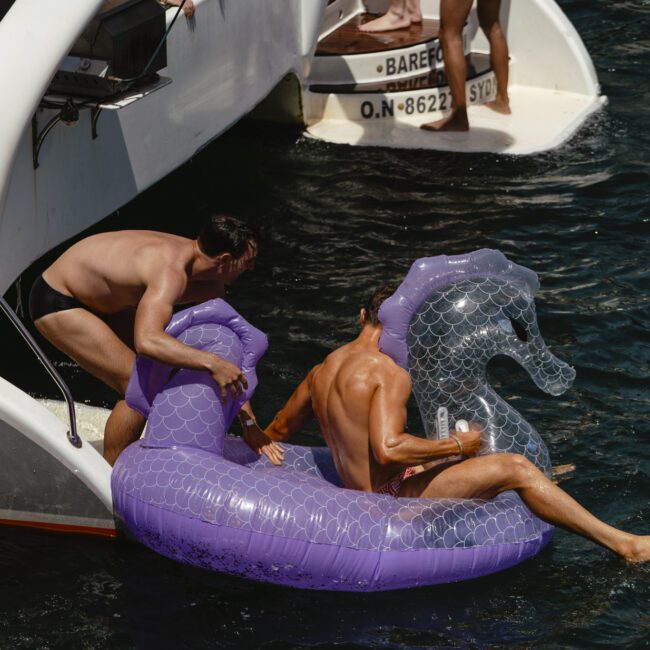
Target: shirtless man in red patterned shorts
column 359, row 397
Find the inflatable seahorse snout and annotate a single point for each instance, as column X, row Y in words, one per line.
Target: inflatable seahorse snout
column 514, row 332
column 549, row 373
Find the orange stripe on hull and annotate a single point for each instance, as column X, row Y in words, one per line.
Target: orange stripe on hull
column 62, row 528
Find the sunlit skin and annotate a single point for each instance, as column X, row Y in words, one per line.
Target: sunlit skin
column 400, row 14
column 359, row 396
column 453, row 14
column 131, row 280
column 188, row 8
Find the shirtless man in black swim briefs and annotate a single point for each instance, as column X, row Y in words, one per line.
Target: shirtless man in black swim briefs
column 359, row 397
column 112, row 294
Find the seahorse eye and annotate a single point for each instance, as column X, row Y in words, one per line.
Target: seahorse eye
column 520, row 330
column 512, row 326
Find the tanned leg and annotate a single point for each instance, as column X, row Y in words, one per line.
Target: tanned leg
column 486, row 476
column 96, row 348
column 123, row 427
column 400, row 14
column 453, row 14
column 488, row 16
column 188, row 7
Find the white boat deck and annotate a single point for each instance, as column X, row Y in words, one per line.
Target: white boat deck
column 541, row 120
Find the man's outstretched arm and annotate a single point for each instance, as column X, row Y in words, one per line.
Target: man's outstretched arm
column 295, row 413
column 291, row 418
column 391, row 445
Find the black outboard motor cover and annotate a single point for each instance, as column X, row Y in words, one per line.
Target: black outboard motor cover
column 125, row 36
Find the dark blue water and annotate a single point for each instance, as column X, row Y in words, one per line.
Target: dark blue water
column 337, row 222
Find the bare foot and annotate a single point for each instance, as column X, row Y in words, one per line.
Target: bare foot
column 456, row 121
column 386, row 23
column 500, row 105
column 188, row 7
column 636, row 549
column 414, row 11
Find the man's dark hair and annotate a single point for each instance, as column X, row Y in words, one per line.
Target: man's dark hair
column 223, row 233
column 373, row 305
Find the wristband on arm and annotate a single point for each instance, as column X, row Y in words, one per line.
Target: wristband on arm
column 248, row 422
column 461, row 449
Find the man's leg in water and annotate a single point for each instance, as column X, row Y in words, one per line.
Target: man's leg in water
column 400, row 14
column 486, row 476
column 90, row 342
column 488, row 17
column 453, row 14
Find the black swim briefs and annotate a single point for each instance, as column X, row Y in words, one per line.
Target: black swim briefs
column 44, row 300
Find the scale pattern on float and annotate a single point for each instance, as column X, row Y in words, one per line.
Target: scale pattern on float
column 454, row 335
column 294, row 502
column 447, row 320
column 188, row 411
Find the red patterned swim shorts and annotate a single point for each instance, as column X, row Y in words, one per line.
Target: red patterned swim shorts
column 392, row 487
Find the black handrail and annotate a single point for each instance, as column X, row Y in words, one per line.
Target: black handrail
column 73, row 437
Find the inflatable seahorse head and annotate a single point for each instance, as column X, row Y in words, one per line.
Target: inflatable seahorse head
column 449, row 317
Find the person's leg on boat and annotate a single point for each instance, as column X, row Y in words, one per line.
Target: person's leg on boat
column 400, row 14
column 486, row 476
column 89, row 341
column 453, row 14
column 488, row 18
column 123, row 427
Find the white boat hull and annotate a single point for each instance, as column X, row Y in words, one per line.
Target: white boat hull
column 222, row 63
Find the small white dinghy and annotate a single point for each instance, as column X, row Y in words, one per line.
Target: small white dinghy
column 377, row 89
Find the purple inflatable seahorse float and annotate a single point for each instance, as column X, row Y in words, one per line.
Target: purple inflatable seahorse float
column 194, row 494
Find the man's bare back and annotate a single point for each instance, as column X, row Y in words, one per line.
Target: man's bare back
column 342, row 389
column 359, row 397
column 110, row 272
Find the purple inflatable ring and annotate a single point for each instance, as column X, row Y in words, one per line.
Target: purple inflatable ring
column 194, row 494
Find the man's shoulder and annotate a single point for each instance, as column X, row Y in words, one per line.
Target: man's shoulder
column 381, row 366
column 387, row 373
column 163, row 251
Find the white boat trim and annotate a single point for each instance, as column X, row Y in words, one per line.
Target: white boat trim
column 222, row 63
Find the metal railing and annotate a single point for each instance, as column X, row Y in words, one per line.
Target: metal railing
column 73, row 437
